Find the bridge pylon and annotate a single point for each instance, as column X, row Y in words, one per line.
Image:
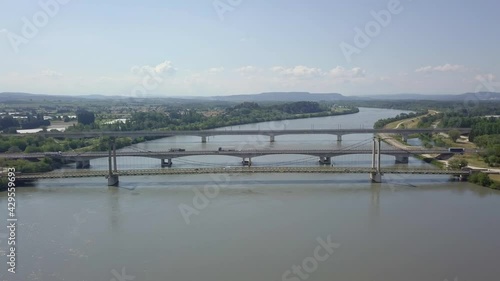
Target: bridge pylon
column 112, row 167
column 376, row 175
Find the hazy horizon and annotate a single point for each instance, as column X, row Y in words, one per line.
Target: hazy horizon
column 221, row 47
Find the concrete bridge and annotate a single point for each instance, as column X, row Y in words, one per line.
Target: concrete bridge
column 83, row 159
column 271, row 133
column 236, row 170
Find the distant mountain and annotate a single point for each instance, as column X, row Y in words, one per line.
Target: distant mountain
column 467, row 96
column 26, row 97
column 13, row 97
column 285, row 96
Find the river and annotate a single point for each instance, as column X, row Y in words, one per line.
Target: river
column 256, row 227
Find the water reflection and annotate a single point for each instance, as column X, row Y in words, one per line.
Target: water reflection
column 410, row 227
column 114, row 208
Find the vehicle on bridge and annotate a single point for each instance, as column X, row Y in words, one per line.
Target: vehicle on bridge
column 227, row 148
column 456, row 150
column 177, row 150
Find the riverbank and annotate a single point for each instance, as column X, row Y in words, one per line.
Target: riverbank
column 394, row 140
column 31, row 143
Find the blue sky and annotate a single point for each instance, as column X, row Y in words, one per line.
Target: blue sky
column 222, row 47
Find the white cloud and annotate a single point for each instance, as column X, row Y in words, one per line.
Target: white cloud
column 164, row 68
column 304, row 72
column 246, row 70
column 299, row 71
column 50, row 73
column 442, row 68
column 342, row 73
column 485, row 77
column 214, row 70
column 487, row 82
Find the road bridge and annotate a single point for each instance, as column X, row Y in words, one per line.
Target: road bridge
column 237, row 170
column 271, row 133
column 325, row 155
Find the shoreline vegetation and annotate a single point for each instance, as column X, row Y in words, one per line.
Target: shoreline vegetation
column 434, row 118
column 241, row 114
column 485, row 134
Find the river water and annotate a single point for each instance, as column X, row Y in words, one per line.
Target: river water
column 256, row 227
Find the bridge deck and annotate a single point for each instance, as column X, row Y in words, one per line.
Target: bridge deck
column 219, row 132
column 237, row 153
column 236, row 170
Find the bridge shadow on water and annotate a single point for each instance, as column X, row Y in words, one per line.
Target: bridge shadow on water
column 161, row 182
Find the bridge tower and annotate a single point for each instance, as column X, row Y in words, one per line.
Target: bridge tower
column 376, row 175
column 113, row 170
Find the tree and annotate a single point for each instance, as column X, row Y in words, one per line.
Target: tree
column 457, row 164
column 7, row 122
column 85, row 117
column 484, row 179
column 14, row 149
column 454, row 135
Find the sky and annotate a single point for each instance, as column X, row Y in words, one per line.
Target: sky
column 228, row 47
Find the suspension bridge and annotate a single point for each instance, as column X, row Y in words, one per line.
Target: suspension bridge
column 112, row 173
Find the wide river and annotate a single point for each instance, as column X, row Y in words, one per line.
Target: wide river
column 256, row 227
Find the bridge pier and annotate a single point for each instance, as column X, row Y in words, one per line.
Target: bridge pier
column 463, row 177
column 112, row 180
column 402, row 159
column 339, row 138
column 404, row 137
column 203, row 139
column 271, row 138
column 376, row 177
column 325, row 160
column 83, row 164
column 168, row 163
column 246, row 162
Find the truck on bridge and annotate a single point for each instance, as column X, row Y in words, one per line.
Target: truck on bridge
column 456, row 150
column 177, row 150
column 227, row 148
